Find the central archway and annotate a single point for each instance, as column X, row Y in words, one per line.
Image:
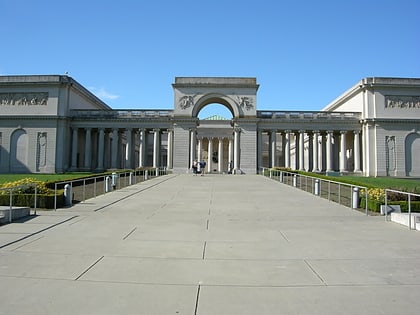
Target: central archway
column 220, row 99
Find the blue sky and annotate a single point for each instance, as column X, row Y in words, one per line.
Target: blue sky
column 303, row 53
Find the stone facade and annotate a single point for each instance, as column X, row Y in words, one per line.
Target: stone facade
column 50, row 123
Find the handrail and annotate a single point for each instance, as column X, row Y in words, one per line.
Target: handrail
column 317, row 184
column 114, row 183
column 11, row 189
column 409, row 203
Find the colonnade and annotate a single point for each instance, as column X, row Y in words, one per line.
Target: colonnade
column 314, row 150
column 113, row 148
column 229, row 161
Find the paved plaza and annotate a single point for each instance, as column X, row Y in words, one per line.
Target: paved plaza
column 217, row 244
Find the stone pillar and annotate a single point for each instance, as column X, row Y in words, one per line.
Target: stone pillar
column 301, row 150
column 329, row 161
column 315, row 166
column 142, row 147
column 287, row 149
column 169, row 158
column 101, row 146
column 343, row 167
column 129, row 148
column 88, row 148
column 356, row 151
column 322, row 152
column 230, row 154
column 259, row 149
column 220, row 156
column 209, row 155
column 156, row 147
column 199, row 149
column 273, row 148
column 114, row 157
column 236, row 147
column 192, row 146
column 74, row 149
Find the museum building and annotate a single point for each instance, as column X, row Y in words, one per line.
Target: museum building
column 52, row 124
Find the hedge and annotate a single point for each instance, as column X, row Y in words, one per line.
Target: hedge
column 375, row 205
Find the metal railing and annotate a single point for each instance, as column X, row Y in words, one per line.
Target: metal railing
column 10, row 191
column 344, row 194
column 80, row 190
column 409, row 199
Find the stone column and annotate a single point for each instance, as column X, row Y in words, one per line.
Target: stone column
column 220, row 156
column 287, row 149
column 343, row 167
column 236, row 140
column 356, row 151
column 199, row 149
column 156, row 147
column 142, row 147
column 101, row 146
column 169, row 158
column 129, row 148
column 192, row 146
column 315, row 166
column 329, row 161
column 230, row 154
column 301, row 150
column 209, row 155
column 74, row 149
column 88, row 148
column 273, row 148
column 259, row 149
column 114, row 157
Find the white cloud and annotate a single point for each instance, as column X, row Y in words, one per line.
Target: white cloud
column 103, row 94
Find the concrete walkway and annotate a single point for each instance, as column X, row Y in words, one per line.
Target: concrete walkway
column 218, row 244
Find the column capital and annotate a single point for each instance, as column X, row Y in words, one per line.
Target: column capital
column 302, row 131
column 356, row 131
column 343, row 131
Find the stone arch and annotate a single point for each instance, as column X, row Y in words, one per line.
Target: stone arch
column 18, row 151
column 213, row 98
column 412, row 151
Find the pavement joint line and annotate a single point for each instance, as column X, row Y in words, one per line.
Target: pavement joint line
column 30, row 242
column 132, row 231
column 284, row 236
column 314, row 271
column 197, row 299
column 204, row 250
column 38, row 232
column 90, row 267
column 132, row 194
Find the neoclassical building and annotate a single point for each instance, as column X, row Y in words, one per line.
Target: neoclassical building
column 52, row 124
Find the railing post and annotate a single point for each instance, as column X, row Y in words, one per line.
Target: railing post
column 55, row 196
column 10, row 204
column 35, row 199
column 386, row 204
column 409, row 211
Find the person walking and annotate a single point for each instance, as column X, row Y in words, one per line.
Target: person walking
column 202, row 167
column 194, row 167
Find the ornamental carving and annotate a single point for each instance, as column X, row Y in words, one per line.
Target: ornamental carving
column 402, row 102
column 23, row 99
column 186, row 101
column 245, row 102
